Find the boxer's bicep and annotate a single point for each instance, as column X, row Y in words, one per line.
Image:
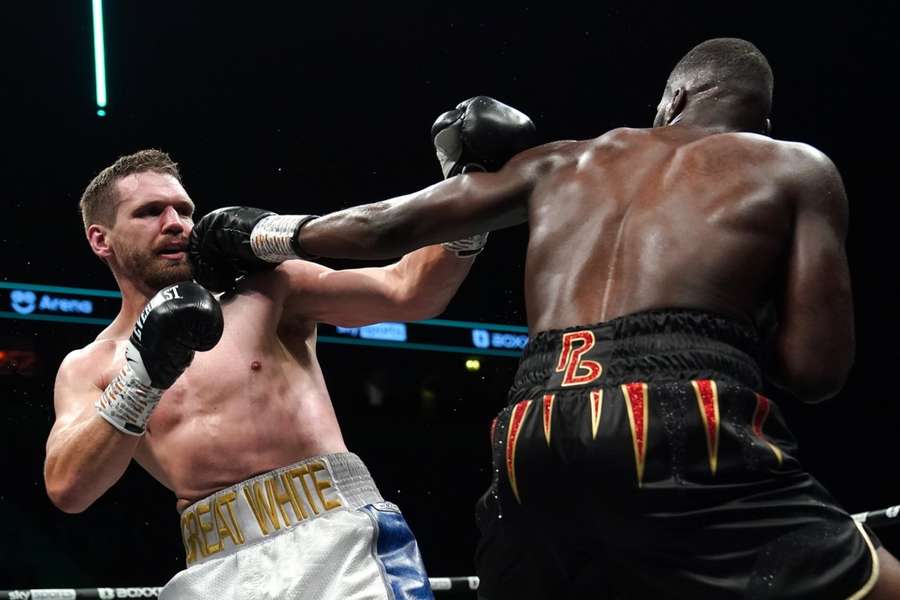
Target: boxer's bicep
column 74, row 393
column 816, row 335
column 85, row 454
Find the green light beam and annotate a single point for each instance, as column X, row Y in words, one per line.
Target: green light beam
column 99, row 57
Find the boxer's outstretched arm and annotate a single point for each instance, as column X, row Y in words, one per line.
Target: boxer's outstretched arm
column 85, row 454
column 815, row 337
column 423, row 281
column 455, row 208
column 421, row 284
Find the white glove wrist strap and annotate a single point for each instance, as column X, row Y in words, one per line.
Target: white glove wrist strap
column 129, row 399
column 272, row 238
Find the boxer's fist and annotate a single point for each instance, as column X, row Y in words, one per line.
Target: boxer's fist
column 219, row 246
column 480, row 134
column 234, row 241
column 176, row 322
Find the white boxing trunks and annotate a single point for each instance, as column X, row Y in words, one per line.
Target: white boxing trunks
column 316, row 530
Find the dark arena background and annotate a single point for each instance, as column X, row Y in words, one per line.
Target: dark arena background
column 304, row 107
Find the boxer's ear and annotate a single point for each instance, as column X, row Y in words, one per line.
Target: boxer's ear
column 98, row 238
column 676, row 105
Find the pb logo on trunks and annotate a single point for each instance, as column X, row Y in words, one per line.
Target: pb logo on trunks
column 578, row 370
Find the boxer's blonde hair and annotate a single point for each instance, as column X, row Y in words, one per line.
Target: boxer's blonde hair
column 98, row 204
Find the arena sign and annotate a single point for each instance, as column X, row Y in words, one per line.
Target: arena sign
column 55, row 303
column 36, row 302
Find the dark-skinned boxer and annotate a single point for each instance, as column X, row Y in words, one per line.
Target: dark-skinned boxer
column 637, row 456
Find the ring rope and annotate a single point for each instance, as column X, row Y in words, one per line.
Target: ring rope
column 874, row 518
column 438, row 584
column 879, row 518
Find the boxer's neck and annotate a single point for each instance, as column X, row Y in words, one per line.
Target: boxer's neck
column 134, row 298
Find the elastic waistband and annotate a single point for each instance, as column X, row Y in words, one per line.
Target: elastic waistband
column 656, row 345
column 274, row 502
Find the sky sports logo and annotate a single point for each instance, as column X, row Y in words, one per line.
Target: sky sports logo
column 26, row 302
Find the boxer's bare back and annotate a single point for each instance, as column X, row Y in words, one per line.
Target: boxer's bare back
column 637, row 219
column 673, row 217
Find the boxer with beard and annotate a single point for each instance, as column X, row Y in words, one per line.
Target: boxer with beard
column 222, row 400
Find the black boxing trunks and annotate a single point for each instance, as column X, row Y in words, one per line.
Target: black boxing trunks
column 636, row 459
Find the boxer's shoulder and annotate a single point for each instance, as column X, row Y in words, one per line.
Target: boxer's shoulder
column 745, row 145
column 546, row 157
column 798, row 166
column 97, row 351
column 563, row 154
column 611, row 144
column 743, row 155
column 91, row 362
column 738, row 144
column 805, row 156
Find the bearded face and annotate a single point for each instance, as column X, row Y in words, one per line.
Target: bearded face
column 156, row 267
column 147, row 242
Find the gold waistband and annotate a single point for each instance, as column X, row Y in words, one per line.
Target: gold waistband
column 274, row 502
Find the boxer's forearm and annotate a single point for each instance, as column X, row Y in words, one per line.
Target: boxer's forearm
column 430, row 278
column 380, row 230
column 451, row 210
column 84, row 460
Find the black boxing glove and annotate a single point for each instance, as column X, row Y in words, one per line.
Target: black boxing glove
column 176, row 322
column 480, row 134
column 234, row 241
